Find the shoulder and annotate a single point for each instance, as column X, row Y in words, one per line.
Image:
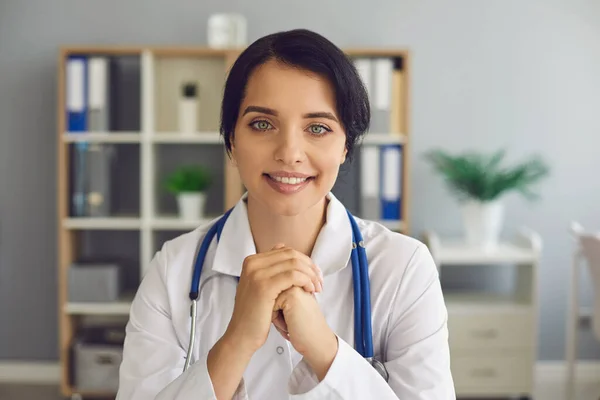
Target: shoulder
column 395, row 256
column 176, row 255
column 383, row 242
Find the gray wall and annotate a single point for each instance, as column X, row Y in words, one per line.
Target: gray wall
column 519, row 74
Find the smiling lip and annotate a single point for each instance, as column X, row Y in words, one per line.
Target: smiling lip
column 287, row 182
column 284, row 174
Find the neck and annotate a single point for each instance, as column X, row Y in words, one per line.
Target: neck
column 298, row 232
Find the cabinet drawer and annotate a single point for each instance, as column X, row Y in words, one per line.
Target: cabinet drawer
column 490, row 331
column 493, row 375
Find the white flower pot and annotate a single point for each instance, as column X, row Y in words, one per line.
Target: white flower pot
column 191, row 205
column 483, row 223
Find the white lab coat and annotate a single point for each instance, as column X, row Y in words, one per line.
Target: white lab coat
column 409, row 320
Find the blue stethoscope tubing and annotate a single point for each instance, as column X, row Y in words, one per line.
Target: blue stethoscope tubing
column 363, row 333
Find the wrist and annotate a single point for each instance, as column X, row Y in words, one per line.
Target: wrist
column 321, row 359
column 238, row 343
column 226, row 365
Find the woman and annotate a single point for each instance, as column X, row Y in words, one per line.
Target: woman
column 275, row 307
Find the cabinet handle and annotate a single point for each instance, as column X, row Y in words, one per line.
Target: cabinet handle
column 483, row 373
column 485, row 333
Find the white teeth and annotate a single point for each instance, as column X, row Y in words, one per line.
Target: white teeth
column 290, row 181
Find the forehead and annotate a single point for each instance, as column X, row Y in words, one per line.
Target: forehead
column 282, row 87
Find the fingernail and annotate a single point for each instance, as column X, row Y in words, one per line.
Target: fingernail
column 320, row 287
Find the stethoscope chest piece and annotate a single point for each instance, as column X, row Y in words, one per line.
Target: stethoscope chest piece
column 379, row 367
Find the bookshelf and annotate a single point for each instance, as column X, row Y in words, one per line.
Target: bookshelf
column 147, row 145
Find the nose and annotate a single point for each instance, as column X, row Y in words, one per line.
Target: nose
column 290, row 148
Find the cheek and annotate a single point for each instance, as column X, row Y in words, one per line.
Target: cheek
column 329, row 161
column 249, row 160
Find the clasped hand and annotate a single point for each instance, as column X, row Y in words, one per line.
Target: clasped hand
column 278, row 287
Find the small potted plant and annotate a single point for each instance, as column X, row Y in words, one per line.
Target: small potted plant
column 479, row 182
column 189, row 183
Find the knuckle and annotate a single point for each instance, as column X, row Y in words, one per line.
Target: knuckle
column 296, row 262
column 248, row 263
column 291, row 253
column 295, row 291
column 294, row 294
column 296, row 275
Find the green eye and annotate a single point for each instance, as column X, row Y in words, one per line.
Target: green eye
column 261, row 125
column 318, row 129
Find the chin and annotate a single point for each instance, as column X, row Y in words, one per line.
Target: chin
column 292, row 205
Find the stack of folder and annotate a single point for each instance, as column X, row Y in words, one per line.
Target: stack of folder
column 381, row 165
column 102, row 95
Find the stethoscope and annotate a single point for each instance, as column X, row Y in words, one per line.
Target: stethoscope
column 363, row 334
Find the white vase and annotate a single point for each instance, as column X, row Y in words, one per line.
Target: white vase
column 227, row 31
column 188, row 109
column 483, row 223
column 191, row 205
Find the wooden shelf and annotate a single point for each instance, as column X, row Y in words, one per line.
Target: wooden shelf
column 162, row 70
column 191, row 138
column 175, row 223
column 116, row 223
column 90, row 395
column 393, row 225
column 102, row 137
column 374, row 138
column 116, row 308
column 215, row 138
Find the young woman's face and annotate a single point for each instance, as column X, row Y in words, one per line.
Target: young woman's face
column 288, row 143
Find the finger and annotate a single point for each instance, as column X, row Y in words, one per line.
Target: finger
column 279, row 321
column 281, row 253
column 285, row 335
column 270, row 258
column 320, row 274
column 288, row 278
column 291, row 264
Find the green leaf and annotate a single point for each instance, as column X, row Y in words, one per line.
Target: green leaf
column 478, row 176
column 189, row 178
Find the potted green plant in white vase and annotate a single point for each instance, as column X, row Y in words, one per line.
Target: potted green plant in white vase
column 480, row 182
column 189, row 183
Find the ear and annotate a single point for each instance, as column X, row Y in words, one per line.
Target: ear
column 232, row 159
column 232, row 155
column 344, row 153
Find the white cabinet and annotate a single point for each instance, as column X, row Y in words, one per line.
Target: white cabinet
column 493, row 336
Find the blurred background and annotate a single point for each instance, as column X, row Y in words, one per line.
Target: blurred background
column 473, row 77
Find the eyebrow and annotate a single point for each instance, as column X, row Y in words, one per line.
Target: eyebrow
column 274, row 113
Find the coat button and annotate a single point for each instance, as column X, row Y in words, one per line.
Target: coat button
column 279, row 350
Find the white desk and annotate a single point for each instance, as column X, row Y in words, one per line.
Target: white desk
column 493, row 338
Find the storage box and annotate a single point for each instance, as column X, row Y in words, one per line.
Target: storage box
column 97, row 356
column 95, row 283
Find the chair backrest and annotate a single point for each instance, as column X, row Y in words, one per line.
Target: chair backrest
column 589, row 246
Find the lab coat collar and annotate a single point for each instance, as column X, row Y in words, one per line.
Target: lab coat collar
column 331, row 252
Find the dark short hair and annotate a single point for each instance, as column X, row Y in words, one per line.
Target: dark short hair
column 306, row 50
